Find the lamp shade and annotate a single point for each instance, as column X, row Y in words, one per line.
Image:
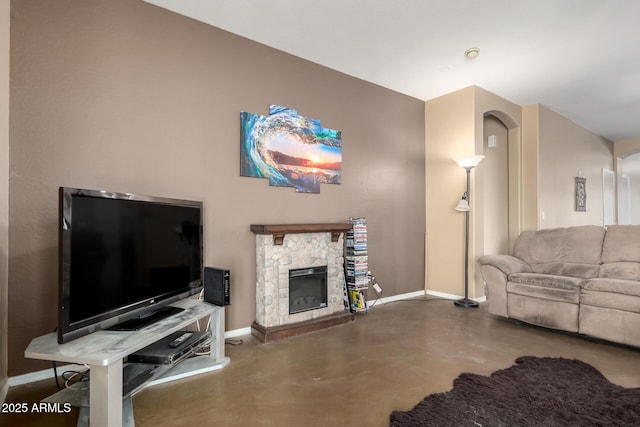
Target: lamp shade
column 469, row 162
column 463, row 205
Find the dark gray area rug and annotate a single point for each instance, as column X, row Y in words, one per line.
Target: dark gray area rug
column 534, row 392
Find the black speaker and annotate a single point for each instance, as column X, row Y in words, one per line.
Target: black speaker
column 216, row 286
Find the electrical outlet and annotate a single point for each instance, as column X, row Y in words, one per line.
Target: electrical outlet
column 377, row 288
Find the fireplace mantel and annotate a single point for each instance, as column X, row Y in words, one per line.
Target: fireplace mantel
column 280, row 230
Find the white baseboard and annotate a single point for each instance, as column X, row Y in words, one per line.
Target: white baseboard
column 384, row 300
column 247, row 331
column 32, row 377
column 453, row 297
column 238, row 332
column 48, row 373
column 3, row 390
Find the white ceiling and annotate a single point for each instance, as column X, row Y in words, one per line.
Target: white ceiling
column 581, row 58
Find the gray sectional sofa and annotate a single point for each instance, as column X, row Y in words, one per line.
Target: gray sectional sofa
column 583, row 279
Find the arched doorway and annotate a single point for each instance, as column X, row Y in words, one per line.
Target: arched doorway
column 496, row 186
column 500, row 187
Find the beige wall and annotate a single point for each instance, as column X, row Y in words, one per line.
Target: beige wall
column 626, row 156
column 568, row 150
column 454, row 126
column 628, row 196
column 554, row 150
column 530, row 167
column 626, row 147
column 4, row 189
column 125, row 96
column 545, row 150
column 449, row 133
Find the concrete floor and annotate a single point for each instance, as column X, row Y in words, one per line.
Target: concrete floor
column 353, row 374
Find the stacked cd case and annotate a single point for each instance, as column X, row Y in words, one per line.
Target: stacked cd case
column 357, row 265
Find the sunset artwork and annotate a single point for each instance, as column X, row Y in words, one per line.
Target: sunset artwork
column 289, row 150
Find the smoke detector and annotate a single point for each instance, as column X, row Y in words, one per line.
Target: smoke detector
column 472, row 52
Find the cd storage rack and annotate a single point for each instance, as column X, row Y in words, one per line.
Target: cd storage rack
column 357, row 265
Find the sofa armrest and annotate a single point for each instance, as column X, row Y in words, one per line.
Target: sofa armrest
column 506, row 263
column 495, row 270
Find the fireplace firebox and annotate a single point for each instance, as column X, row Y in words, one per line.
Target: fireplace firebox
column 307, row 289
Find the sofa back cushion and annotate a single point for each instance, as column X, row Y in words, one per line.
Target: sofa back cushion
column 621, row 253
column 569, row 251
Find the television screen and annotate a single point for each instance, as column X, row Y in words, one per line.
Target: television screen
column 124, row 256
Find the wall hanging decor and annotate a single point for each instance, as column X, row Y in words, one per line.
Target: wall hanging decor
column 581, row 194
column 289, row 150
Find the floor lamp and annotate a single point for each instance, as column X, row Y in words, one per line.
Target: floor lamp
column 467, row 163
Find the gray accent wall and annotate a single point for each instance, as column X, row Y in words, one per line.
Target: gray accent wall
column 4, row 192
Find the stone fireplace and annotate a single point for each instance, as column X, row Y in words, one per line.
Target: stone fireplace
column 283, row 250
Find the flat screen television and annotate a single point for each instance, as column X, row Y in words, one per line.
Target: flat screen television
column 123, row 258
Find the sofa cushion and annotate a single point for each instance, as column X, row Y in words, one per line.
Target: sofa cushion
column 621, row 244
column 621, row 253
column 572, row 269
column 620, row 270
column 570, row 251
column 545, row 286
column 611, row 293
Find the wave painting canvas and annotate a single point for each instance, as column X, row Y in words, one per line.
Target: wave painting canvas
column 289, row 150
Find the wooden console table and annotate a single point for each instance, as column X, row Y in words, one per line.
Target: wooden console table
column 104, row 352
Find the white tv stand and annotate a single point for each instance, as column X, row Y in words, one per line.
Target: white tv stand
column 104, row 352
